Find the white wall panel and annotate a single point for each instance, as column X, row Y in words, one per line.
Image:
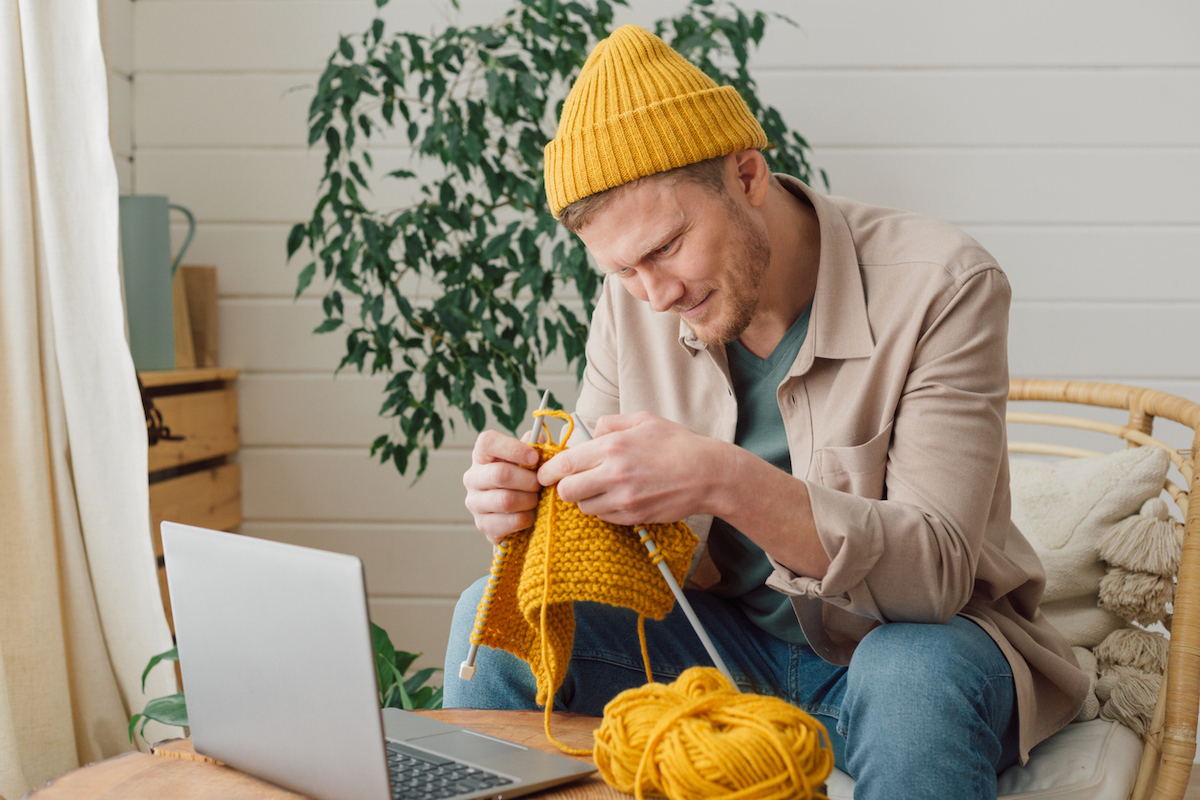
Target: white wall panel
column 222, row 109
column 1119, row 342
column 1063, row 185
column 251, row 258
column 1095, row 262
column 988, row 107
column 431, row 560
column 223, row 35
column 946, row 33
column 267, row 35
column 276, row 335
column 347, row 484
column 257, row 185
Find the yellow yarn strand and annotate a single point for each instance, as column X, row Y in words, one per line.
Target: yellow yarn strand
column 697, row 738
column 545, row 638
column 645, row 647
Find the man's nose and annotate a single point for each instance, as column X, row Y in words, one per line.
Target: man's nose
column 663, row 291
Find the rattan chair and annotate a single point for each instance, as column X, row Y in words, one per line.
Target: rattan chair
column 1171, row 742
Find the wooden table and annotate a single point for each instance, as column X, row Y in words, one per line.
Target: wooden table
column 176, row 771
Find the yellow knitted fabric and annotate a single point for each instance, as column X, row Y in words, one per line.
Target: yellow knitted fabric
column 564, row 557
column 636, row 109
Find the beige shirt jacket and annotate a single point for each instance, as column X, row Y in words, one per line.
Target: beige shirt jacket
column 894, row 410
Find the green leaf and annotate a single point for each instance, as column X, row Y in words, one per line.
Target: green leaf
column 331, row 324
column 418, row 679
column 168, row 655
column 295, row 238
column 385, row 655
column 169, row 710
column 333, row 142
column 346, row 49
column 405, row 660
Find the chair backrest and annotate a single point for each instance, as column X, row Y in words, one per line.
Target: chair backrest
column 1171, row 740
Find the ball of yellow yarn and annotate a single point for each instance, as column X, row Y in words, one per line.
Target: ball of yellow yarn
column 699, row 739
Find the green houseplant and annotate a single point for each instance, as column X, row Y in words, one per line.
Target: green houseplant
column 475, row 105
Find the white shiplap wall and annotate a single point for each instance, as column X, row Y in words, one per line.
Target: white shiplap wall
column 116, row 38
column 1064, row 136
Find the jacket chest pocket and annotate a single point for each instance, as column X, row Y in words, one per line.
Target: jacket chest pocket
column 857, row 470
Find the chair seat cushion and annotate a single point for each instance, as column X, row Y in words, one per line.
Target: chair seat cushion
column 1095, row 760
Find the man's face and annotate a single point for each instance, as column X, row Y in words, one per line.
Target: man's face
column 684, row 249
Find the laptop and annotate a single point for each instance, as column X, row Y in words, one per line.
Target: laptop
column 280, row 677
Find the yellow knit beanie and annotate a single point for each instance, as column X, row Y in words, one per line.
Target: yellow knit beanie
column 638, row 108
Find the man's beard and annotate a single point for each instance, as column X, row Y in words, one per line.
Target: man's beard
column 744, row 279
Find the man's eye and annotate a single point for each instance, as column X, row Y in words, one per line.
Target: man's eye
column 624, row 271
column 666, row 248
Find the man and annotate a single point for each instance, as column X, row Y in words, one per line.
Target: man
column 819, row 386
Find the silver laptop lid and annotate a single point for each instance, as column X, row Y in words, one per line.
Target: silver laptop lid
column 277, row 662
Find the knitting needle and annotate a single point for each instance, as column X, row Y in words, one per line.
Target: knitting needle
column 466, row 670
column 652, row 548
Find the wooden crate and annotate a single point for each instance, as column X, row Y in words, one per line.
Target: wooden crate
column 210, row 498
column 194, row 480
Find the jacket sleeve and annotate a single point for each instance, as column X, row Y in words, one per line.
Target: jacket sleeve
column 599, row 393
column 904, row 517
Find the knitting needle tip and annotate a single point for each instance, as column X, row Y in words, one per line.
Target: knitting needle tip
column 466, row 670
column 539, row 423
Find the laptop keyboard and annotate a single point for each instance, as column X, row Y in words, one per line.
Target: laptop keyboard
column 417, row 775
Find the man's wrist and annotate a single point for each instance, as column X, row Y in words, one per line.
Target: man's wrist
column 724, row 471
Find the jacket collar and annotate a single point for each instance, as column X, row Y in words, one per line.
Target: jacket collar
column 838, row 327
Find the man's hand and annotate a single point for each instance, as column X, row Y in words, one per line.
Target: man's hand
column 502, row 494
column 639, row 468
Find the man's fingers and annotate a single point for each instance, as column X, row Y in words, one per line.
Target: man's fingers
column 495, row 446
column 580, row 487
column 500, row 475
column 501, row 501
column 569, row 462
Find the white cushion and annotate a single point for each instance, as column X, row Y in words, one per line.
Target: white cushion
column 1064, row 508
column 1095, row 760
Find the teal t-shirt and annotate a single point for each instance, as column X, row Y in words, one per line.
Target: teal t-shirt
column 743, row 564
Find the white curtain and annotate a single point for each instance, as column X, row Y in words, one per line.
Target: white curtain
column 80, row 612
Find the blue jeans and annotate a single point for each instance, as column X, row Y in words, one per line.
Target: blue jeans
column 923, row 711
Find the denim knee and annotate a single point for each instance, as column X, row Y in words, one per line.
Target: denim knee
column 920, row 663
column 939, row 699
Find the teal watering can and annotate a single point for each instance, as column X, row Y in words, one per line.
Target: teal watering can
column 149, row 269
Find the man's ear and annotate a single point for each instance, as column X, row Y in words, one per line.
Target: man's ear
column 751, row 174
